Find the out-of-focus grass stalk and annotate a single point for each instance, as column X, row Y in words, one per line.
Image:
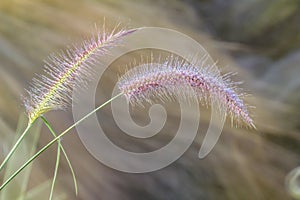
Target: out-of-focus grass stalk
column 15, row 146
column 18, row 190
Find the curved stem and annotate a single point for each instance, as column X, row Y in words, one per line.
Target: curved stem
column 55, row 170
column 15, row 146
column 64, row 152
column 54, row 140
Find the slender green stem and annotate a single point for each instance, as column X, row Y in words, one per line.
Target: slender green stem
column 72, row 171
column 56, row 169
column 64, row 152
column 54, row 140
column 15, row 146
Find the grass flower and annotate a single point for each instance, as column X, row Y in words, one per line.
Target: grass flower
column 53, row 91
column 174, row 77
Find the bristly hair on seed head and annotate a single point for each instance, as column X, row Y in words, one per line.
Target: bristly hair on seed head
column 175, row 77
column 53, row 90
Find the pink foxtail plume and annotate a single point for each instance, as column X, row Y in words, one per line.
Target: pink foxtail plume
column 175, row 78
column 53, row 90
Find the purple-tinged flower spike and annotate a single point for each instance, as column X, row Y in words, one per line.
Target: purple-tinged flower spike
column 175, row 78
column 53, row 90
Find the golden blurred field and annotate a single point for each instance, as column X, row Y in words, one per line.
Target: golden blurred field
column 259, row 40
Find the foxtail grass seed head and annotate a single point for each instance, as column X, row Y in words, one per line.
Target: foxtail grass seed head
column 53, row 90
column 174, row 77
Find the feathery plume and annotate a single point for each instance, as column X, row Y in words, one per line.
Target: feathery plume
column 53, row 90
column 174, row 77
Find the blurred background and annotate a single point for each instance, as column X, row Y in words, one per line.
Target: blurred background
column 259, row 39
